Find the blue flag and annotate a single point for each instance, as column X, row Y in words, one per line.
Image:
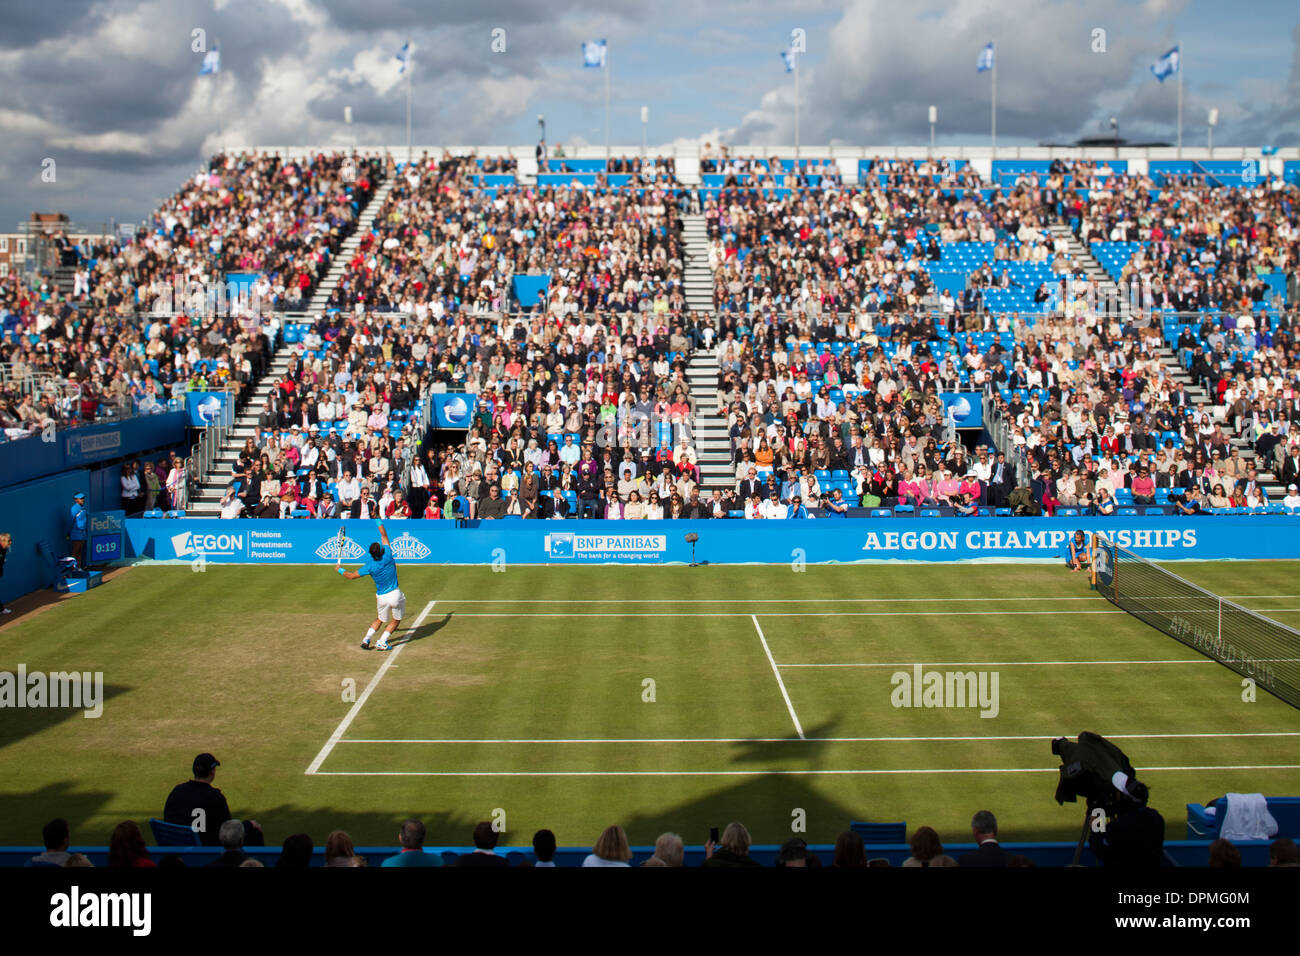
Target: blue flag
column 404, row 57
column 985, row 62
column 211, row 62
column 593, row 54
column 1166, row 65
column 790, row 59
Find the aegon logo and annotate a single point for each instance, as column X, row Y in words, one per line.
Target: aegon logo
column 329, row 551
column 188, row 543
column 409, row 548
column 1026, row 540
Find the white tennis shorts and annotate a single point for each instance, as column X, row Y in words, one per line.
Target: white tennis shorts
column 394, row 602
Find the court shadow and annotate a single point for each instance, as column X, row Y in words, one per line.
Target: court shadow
column 766, row 805
column 28, row 721
column 794, row 754
column 23, row 814
column 427, row 629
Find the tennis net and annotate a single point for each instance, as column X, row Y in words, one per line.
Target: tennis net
column 1251, row 644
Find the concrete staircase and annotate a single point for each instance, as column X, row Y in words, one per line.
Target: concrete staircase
column 712, row 444
column 205, row 498
column 350, row 246
column 1271, row 482
column 698, row 279
column 1107, row 296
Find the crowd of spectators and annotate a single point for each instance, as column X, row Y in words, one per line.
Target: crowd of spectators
column 141, row 324
column 440, row 246
column 1128, row 846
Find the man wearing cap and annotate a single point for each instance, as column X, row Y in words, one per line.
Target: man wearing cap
column 77, row 532
column 197, row 804
column 1291, row 500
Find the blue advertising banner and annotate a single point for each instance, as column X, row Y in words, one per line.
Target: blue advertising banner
column 527, row 287
column 966, row 409
column 821, row 541
column 208, row 408
column 453, row 409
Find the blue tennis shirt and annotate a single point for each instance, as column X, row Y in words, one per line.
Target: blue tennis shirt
column 383, row 571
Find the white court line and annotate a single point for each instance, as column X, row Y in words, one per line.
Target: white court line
column 779, row 682
column 1197, row 660
column 748, row 773
column 680, row 614
column 783, row 740
column 389, row 657
column 938, row 598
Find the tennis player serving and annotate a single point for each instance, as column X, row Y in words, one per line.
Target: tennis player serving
column 389, row 598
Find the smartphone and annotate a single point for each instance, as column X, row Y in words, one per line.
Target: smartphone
column 713, row 835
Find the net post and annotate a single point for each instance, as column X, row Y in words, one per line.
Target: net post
column 1220, row 634
column 1092, row 562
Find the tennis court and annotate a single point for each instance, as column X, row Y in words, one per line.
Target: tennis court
column 658, row 698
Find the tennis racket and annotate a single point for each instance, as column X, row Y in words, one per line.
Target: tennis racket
column 338, row 547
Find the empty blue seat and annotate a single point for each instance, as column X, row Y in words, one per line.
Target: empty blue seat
column 173, row 834
column 904, row 510
column 1154, row 511
column 155, row 513
column 1002, row 513
column 1067, row 512
column 881, row 513
column 929, row 512
column 1128, row 512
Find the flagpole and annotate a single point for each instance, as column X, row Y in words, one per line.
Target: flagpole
column 796, row 108
column 995, row 101
column 607, row 106
column 408, row 108
column 1180, row 101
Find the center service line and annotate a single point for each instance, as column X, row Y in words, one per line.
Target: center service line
column 343, row 726
column 780, row 683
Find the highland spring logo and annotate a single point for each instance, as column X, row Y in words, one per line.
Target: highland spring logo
column 80, row 690
column 922, row 688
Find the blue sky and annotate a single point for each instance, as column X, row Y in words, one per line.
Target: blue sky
column 110, row 89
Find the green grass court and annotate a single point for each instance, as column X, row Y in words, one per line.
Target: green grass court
column 525, row 691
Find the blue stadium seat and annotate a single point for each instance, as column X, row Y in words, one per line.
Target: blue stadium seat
column 173, row 834
column 1128, row 512
column 175, row 514
column 1067, row 512
column 881, row 513
column 929, row 512
column 986, row 513
column 1002, row 513
column 155, row 513
column 1154, row 511
column 904, row 510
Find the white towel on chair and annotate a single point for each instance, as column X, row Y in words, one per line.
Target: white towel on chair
column 1247, row 818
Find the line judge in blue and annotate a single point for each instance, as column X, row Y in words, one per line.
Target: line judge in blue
column 390, row 601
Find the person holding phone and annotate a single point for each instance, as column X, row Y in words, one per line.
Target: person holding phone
column 733, row 851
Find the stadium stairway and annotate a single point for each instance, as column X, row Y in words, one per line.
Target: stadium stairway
column 1272, row 484
column 712, row 445
column 699, row 277
column 205, row 498
column 350, row 246
column 1107, row 290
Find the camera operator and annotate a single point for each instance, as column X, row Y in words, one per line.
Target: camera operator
column 1135, row 837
